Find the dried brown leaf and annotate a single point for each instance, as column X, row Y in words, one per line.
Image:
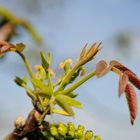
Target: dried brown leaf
column 122, row 83
column 132, row 102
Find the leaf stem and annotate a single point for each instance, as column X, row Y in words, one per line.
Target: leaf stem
column 28, row 67
column 78, row 83
column 66, row 79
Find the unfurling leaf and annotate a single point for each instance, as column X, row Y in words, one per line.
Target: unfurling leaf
column 45, row 63
column 132, row 102
column 122, row 83
column 85, row 57
column 93, row 51
column 44, row 89
column 20, row 47
column 20, row 81
column 102, row 68
column 49, row 58
column 133, row 79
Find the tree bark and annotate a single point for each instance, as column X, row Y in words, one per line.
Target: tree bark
column 30, row 126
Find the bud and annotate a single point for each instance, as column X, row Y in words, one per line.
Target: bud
column 89, row 135
column 62, row 129
column 71, row 134
column 81, row 127
column 19, row 122
column 71, row 126
column 67, row 61
column 53, row 130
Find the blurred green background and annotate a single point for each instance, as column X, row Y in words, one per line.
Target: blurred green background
column 65, row 27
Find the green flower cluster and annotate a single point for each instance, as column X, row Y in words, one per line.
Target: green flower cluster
column 69, row 132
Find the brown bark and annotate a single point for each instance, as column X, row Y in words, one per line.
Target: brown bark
column 31, row 125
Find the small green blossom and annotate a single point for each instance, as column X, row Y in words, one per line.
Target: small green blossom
column 89, row 135
column 53, row 131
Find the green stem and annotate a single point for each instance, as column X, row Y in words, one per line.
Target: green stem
column 30, row 93
column 78, row 83
column 50, row 82
column 66, row 79
column 43, row 116
column 28, row 67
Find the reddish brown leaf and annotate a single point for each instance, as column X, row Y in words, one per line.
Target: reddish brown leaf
column 120, row 66
column 122, row 83
column 132, row 102
column 133, row 79
column 102, row 68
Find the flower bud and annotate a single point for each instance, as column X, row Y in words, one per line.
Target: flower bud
column 62, row 129
column 89, row 135
column 53, row 130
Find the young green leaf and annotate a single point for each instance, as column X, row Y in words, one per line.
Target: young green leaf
column 69, row 100
column 45, row 63
column 59, row 111
column 66, row 107
column 49, row 58
column 20, row 81
column 44, row 89
column 72, row 95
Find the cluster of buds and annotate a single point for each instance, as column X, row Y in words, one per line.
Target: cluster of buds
column 127, row 79
column 69, row 132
